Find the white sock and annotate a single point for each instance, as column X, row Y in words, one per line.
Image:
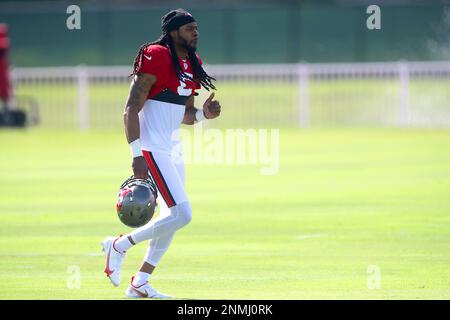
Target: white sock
column 156, row 249
column 140, row 278
column 180, row 215
column 123, row 244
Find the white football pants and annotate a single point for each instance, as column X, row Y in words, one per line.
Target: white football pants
column 175, row 211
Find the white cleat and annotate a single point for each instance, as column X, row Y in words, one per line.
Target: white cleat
column 113, row 260
column 144, row 291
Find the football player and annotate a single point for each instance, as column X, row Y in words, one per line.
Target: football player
column 166, row 75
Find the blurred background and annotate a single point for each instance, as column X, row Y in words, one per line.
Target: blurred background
column 263, row 53
column 359, row 208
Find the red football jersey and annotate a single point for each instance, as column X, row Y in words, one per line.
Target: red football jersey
column 156, row 60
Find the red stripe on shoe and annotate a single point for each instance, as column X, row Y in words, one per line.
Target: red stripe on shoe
column 143, row 295
column 107, row 270
column 135, row 289
column 159, row 180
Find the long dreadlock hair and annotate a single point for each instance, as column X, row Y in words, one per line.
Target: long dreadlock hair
column 199, row 75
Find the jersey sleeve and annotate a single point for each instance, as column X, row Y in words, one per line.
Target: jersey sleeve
column 153, row 61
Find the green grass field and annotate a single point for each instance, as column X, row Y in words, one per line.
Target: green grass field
column 344, row 200
column 339, row 102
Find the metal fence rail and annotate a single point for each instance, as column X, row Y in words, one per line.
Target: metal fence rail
column 415, row 94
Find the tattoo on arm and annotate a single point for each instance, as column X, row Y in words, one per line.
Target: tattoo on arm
column 139, row 90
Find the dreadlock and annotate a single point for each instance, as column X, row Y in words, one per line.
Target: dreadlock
column 199, row 75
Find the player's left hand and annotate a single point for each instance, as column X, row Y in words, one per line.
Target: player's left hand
column 211, row 108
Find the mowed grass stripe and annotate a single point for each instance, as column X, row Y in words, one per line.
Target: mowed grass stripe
column 343, row 200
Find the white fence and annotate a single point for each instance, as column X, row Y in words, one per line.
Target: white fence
column 296, row 95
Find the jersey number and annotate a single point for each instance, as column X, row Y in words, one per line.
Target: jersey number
column 182, row 91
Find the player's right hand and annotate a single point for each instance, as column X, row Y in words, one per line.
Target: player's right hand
column 140, row 168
